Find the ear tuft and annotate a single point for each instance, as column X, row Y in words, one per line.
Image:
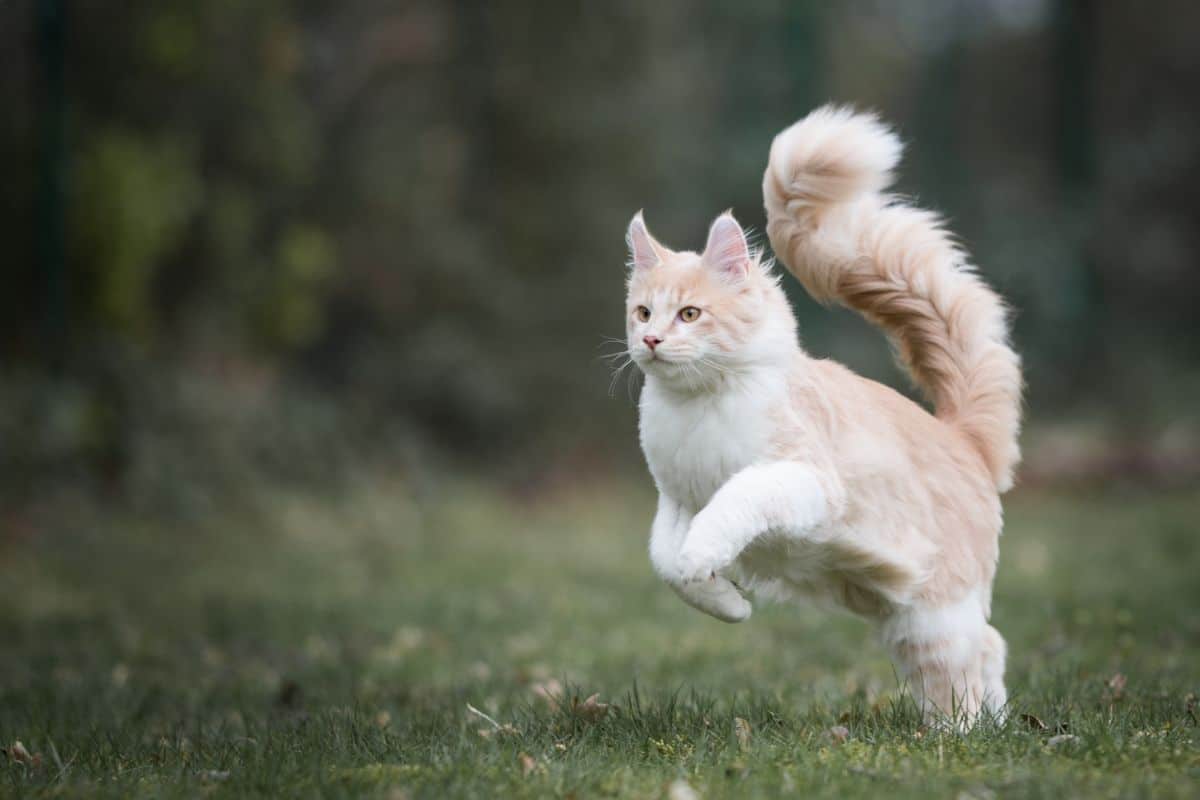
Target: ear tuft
column 727, row 250
column 644, row 252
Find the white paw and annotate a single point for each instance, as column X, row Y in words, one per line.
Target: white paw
column 696, row 564
column 717, row 597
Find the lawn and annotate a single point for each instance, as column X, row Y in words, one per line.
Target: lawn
column 447, row 642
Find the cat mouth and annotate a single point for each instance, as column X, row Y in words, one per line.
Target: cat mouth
column 654, row 360
column 657, row 358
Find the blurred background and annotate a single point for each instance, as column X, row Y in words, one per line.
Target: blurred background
column 305, row 410
column 293, row 241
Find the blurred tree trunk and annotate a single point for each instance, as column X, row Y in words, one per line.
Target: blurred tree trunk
column 1073, row 30
column 51, row 37
column 939, row 120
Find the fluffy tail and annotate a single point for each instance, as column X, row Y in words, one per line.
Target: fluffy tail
column 898, row 267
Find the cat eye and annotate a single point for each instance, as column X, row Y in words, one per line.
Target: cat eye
column 642, row 313
column 689, row 314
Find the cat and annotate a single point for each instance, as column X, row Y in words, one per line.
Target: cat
column 782, row 475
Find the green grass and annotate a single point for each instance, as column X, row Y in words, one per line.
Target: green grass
column 330, row 645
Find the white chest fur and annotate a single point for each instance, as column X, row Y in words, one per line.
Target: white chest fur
column 694, row 442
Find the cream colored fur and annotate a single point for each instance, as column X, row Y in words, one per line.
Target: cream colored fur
column 781, row 475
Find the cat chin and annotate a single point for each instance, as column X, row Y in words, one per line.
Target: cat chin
column 661, row 367
column 676, row 375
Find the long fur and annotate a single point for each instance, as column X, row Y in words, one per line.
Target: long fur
column 830, row 224
column 781, row 475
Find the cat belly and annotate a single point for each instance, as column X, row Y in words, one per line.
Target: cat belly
column 834, row 565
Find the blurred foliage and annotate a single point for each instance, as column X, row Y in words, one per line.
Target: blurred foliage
column 410, row 215
column 149, row 194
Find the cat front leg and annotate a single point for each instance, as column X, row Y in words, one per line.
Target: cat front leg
column 671, row 522
column 787, row 497
column 717, row 596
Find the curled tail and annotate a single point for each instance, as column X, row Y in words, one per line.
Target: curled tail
column 830, row 224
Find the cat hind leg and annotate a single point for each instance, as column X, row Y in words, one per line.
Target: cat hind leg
column 952, row 660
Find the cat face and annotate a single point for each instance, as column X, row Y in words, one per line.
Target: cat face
column 692, row 318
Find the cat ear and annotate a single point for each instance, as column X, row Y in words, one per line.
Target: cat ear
column 644, row 252
column 727, row 251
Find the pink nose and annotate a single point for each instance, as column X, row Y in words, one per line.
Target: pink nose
column 652, row 341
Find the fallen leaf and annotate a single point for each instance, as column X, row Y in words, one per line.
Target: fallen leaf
column 839, row 733
column 1116, row 686
column 528, row 764
column 679, row 789
column 383, row 719
column 741, row 729
column 1061, row 739
column 590, row 709
column 19, row 754
column 1033, row 722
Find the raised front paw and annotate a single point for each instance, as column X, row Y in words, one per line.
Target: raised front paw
column 717, row 597
column 697, row 563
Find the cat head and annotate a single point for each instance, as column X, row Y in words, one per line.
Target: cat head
column 693, row 319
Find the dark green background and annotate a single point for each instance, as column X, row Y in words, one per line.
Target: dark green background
column 289, row 238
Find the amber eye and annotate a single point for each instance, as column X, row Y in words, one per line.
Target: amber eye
column 642, row 313
column 689, row 314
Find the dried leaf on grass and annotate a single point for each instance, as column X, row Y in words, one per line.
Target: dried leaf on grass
column 838, row 734
column 1116, row 686
column 590, row 709
column 741, row 729
column 1033, row 722
column 18, row 753
column 553, row 694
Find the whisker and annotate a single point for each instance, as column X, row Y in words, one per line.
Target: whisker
column 721, row 371
column 612, row 386
column 614, row 356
